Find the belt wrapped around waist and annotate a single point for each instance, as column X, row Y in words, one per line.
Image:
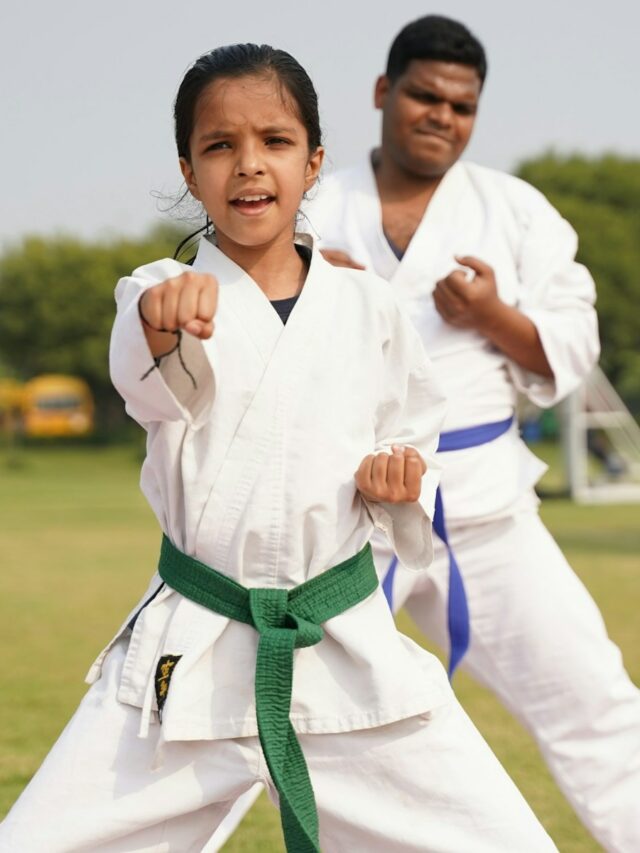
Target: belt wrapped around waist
column 285, row 620
column 457, row 607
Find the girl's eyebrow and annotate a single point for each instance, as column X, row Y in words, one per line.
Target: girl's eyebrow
column 225, row 134
column 215, row 134
column 275, row 129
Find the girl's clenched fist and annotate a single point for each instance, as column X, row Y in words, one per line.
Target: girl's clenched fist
column 394, row 478
column 187, row 302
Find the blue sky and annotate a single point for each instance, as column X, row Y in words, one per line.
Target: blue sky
column 86, row 90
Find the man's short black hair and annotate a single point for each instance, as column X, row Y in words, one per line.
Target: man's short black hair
column 438, row 38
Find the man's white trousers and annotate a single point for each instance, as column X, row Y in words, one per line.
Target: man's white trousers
column 539, row 642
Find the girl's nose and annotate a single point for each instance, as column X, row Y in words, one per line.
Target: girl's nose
column 250, row 161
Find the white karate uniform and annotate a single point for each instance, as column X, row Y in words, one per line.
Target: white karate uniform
column 537, row 638
column 252, row 472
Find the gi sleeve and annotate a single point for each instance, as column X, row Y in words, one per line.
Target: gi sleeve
column 181, row 386
column 411, row 412
column 558, row 296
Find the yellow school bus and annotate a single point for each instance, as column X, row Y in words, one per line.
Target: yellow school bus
column 57, row 406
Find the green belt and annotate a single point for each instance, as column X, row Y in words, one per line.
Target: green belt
column 285, row 620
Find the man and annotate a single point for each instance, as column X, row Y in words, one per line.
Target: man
column 486, row 268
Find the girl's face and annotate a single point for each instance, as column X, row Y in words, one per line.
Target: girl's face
column 249, row 160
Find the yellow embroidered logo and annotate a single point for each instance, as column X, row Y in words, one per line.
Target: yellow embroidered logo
column 164, row 671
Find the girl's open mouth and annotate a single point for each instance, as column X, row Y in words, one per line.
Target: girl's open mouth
column 252, row 204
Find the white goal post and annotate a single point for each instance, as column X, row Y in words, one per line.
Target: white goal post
column 596, row 406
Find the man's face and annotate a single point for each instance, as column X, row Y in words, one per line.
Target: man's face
column 428, row 115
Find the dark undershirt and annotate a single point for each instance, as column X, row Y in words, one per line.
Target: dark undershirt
column 397, row 251
column 284, row 307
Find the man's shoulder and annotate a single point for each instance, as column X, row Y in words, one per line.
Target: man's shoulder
column 335, row 197
column 517, row 192
column 356, row 178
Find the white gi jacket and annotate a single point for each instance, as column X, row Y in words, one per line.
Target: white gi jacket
column 511, row 226
column 252, row 472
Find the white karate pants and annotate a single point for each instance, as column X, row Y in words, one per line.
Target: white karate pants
column 428, row 783
column 539, row 642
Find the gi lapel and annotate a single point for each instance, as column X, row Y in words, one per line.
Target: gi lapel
column 261, row 420
column 240, row 294
column 449, row 227
column 430, row 254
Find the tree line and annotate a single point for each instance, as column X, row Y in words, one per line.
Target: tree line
column 56, row 293
column 57, row 307
column 601, row 199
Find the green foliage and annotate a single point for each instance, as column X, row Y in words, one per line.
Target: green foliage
column 57, row 305
column 601, row 199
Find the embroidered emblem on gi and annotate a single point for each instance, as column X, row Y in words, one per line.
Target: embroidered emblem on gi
column 164, row 671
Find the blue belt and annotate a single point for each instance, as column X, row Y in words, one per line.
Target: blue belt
column 457, row 607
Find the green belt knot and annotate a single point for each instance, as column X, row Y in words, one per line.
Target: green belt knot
column 271, row 611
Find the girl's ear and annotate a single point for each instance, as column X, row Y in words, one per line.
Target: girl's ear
column 314, row 165
column 189, row 178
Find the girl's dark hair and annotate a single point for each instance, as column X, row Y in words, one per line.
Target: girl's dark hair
column 240, row 60
column 438, row 38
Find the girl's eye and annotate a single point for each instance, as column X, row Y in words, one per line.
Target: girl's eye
column 277, row 140
column 217, row 146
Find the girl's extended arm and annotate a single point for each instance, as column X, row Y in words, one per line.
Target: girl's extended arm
column 153, row 303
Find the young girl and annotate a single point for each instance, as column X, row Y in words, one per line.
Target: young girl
column 289, row 408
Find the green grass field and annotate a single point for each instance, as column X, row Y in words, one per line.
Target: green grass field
column 78, row 544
